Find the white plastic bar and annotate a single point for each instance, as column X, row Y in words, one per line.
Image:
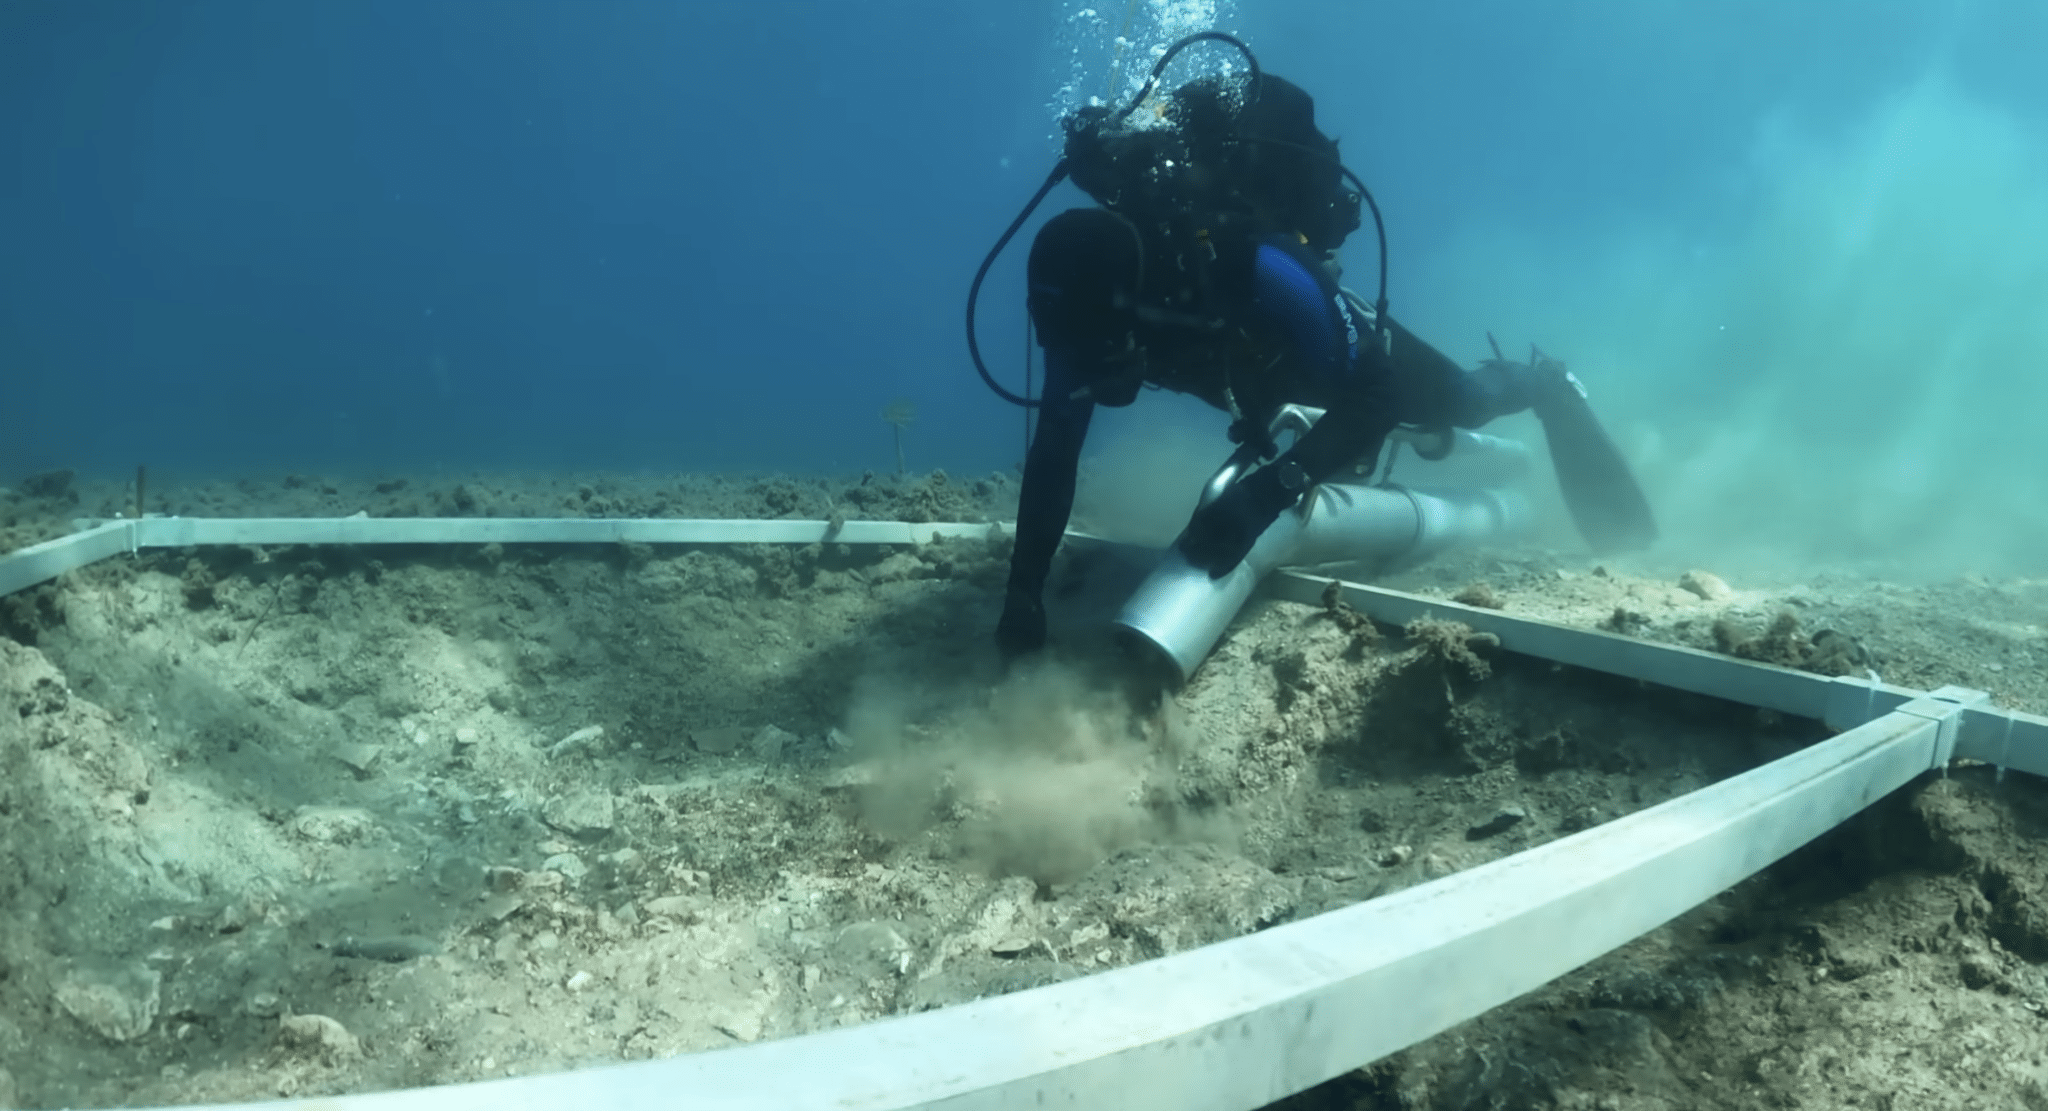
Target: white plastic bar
column 1236, row 1025
column 2012, row 740
column 42, row 562
column 172, row 532
column 1777, row 688
column 2007, row 738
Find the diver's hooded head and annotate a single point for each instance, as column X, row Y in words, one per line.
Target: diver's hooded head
column 1218, row 147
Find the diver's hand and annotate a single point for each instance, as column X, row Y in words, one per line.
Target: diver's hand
column 1222, row 532
column 1021, row 631
column 1543, row 383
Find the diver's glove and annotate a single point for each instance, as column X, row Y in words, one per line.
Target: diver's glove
column 1222, row 532
column 1021, row 631
column 1542, row 384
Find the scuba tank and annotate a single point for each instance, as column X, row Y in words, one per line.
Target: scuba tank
column 1213, row 153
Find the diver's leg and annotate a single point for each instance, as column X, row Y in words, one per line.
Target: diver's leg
column 1599, row 488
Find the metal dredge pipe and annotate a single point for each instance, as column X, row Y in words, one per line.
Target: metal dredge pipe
column 1180, row 612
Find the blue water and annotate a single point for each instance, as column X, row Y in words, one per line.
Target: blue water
column 251, row 235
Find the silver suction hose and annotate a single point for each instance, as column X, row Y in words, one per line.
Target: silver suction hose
column 1180, row 612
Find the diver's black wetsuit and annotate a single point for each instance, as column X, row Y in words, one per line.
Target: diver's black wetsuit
column 1275, row 330
column 1203, row 271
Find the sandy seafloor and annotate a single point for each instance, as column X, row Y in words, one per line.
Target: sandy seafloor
column 294, row 821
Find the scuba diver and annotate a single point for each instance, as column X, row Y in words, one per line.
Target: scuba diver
column 1208, row 267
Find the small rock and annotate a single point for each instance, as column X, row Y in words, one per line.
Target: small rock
column 361, row 758
column 626, row 862
column 837, row 739
column 332, row 825
column 465, row 736
column 501, row 906
column 1838, row 653
column 1507, row 818
column 579, row 981
column 683, row 908
column 1979, row 971
column 1583, row 818
column 118, row 1004
column 1707, row 585
column 578, row 739
column 740, row 1028
column 235, row 917
column 771, row 742
column 850, row 775
column 265, row 1004
column 874, row 949
column 1015, row 945
column 393, row 949
column 500, row 878
column 1625, row 621
column 1396, row 856
column 1854, row 962
column 585, row 814
column 1478, row 595
column 1437, row 865
column 718, row 742
column 544, row 880
column 569, row 864
column 319, row 1035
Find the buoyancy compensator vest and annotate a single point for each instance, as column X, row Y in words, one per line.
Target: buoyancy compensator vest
column 1221, row 157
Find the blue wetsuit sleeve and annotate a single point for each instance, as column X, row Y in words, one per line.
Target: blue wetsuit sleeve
column 1435, row 392
column 1308, row 311
column 1370, row 393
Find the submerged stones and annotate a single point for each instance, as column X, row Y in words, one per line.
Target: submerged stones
column 581, row 738
column 1705, row 585
column 1827, row 652
column 580, row 814
column 1479, row 596
column 320, row 1037
column 765, row 743
column 722, row 741
column 117, row 1003
column 1504, row 819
